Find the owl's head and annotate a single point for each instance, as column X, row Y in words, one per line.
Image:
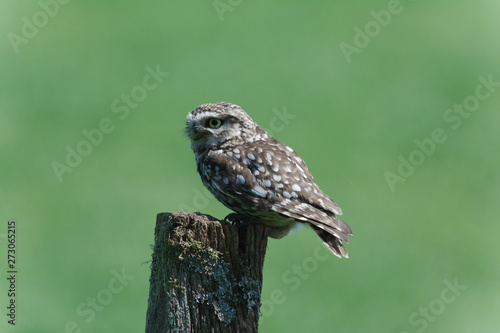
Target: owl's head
column 211, row 126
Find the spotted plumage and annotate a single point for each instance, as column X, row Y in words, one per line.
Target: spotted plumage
column 260, row 178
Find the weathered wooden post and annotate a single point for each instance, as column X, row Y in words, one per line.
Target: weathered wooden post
column 206, row 275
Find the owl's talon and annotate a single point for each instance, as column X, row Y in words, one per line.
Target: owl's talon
column 234, row 218
column 230, row 217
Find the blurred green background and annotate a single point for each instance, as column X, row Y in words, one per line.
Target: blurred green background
column 349, row 85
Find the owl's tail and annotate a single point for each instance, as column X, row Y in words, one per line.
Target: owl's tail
column 333, row 241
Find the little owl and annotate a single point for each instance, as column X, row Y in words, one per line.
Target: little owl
column 261, row 179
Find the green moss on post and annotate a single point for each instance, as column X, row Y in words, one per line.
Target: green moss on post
column 206, row 275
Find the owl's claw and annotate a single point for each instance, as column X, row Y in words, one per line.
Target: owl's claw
column 234, row 218
column 238, row 220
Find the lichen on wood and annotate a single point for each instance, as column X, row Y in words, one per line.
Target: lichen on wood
column 206, row 275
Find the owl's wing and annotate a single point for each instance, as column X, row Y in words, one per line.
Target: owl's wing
column 288, row 173
column 291, row 187
column 254, row 185
column 233, row 184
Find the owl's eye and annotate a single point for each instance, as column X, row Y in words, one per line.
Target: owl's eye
column 214, row 123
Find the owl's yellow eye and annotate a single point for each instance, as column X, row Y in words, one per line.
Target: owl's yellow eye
column 214, row 123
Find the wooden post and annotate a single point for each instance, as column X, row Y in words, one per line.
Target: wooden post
column 206, row 275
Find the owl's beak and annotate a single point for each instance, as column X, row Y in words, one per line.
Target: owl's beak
column 195, row 134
